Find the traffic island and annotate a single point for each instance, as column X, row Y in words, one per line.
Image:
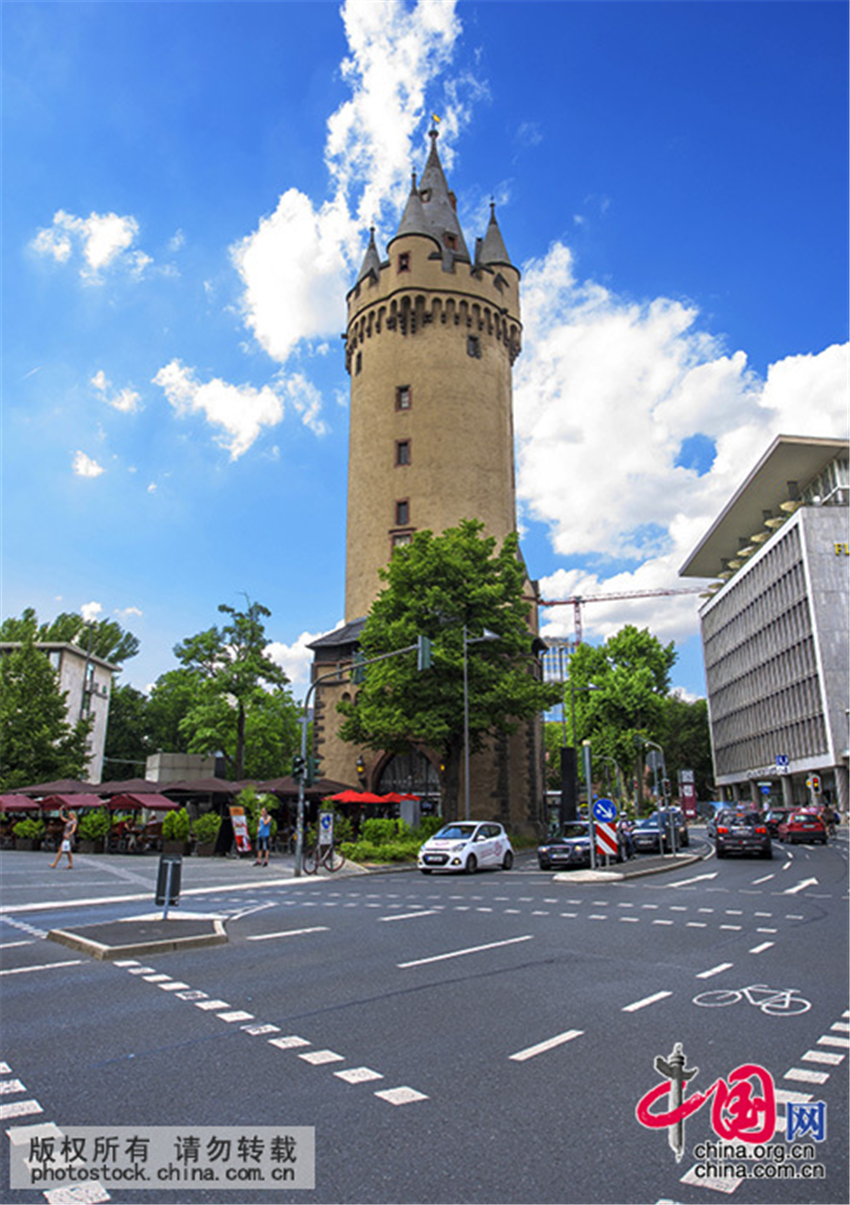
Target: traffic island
column 124, row 938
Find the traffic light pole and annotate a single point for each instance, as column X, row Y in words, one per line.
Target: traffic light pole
column 423, row 649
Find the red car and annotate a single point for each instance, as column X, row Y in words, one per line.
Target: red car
column 802, row 826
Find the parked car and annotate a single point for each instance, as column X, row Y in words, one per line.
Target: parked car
column 467, row 845
column 653, row 834
column 570, row 847
column 774, row 818
column 802, row 826
column 742, row 831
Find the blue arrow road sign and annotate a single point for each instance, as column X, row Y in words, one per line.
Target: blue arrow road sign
column 604, row 810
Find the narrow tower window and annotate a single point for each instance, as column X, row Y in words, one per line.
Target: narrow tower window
column 402, row 451
column 473, row 347
column 404, row 261
column 358, row 363
column 402, row 513
column 402, row 397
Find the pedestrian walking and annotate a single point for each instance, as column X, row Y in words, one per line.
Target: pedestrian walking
column 264, row 830
column 68, row 831
column 828, row 818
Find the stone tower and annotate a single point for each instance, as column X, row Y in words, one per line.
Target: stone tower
column 431, row 338
column 432, row 334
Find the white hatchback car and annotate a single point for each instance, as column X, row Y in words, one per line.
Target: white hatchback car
column 467, row 845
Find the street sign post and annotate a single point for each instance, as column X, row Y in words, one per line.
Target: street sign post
column 605, row 811
column 606, row 839
column 326, row 828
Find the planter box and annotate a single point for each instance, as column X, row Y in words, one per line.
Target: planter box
column 205, row 849
column 29, row 843
column 90, row 847
column 177, row 847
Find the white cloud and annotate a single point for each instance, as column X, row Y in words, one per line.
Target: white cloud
column 239, row 410
column 125, row 400
column 295, row 659
column 396, row 53
column 90, row 611
column 102, row 239
column 306, row 400
column 606, row 391
column 129, row 613
column 84, row 466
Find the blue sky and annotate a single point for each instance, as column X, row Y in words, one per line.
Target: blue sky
column 186, row 193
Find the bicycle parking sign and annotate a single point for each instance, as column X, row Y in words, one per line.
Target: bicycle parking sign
column 326, row 828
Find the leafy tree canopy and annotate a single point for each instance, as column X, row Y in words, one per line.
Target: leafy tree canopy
column 103, row 637
column 619, row 691
column 37, row 742
column 231, row 670
column 127, row 742
column 436, row 586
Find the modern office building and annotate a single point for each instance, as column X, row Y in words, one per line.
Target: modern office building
column 431, row 339
column 776, row 629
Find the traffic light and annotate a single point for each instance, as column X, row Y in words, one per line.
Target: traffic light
column 298, row 767
column 816, row 784
column 423, row 652
column 312, row 771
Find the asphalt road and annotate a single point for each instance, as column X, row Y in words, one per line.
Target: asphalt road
column 450, row 1039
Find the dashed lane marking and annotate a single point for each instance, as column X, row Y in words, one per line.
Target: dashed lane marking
column 765, row 945
column 647, row 1000
column 721, row 966
column 47, row 966
column 358, row 1075
column 413, row 915
column 401, row 1096
column 491, row 945
column 288, row 933
column 804, row 1076
column 542, row 1047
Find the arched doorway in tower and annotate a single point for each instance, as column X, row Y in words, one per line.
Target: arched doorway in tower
column 411, row 773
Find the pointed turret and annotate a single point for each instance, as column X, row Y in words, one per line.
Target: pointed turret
column 413, row 220
column 494, row 252
column 371, row 260
column 439, row 204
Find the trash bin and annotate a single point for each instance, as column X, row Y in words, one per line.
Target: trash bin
column 168, row 878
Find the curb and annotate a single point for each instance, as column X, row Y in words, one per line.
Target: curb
column 216, row 936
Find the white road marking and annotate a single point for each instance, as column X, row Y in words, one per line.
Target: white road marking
column 288, row 1043
column 21, row 1108
column 173, row 986
column 697, row 879
column 717, row 1183
column 10, row 945
column 319, row 1057
column 829, row 1040
column 823, row 1056
column 424, row 912
column 784, row 1096
column 401, row 1096
column 549, row 1044
column 209, row 1005
column 288, row 933
column 765, row 945
column 766, row 879
column 804, row 1076
column 647, row 1000
column 358, row 1075
column 47, row 966
column 801, row 886
column 236, row 1015
column 9, row 1086
column 492, row 945
column 721, row 966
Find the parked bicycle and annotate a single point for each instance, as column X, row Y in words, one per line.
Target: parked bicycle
column 327, row 856
column 773, row 1002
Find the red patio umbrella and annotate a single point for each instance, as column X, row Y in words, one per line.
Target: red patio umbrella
column 18, row 803
column 71, row 801
column 357, row 797
column 132, row 801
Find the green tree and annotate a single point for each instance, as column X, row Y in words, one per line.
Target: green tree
column 435, row 586
column 172, row 697
column 37, row 742
column 233, row 671
column 687, row 742
column 619, row 689
column 103, row 637
column 127, row 742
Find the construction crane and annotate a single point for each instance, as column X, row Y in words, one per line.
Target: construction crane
column 577, row 600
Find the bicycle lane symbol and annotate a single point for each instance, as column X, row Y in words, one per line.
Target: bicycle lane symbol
column 773, row 1002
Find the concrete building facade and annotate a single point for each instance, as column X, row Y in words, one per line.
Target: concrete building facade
column 776, row 631
column 431, row 338
column 86, row 683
